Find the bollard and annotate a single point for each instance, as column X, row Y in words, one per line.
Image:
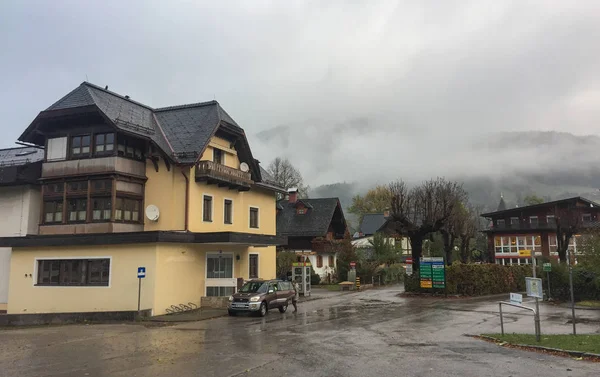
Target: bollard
column 358, row 283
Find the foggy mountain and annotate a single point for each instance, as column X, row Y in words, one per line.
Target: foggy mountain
column 348, row 159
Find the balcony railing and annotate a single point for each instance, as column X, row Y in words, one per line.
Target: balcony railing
column 224, row 176
column 523, row 226
column 326, row 246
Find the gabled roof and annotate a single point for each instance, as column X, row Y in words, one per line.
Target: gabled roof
column 181, row 132
column 542, row 205
column 314, row 223
column 371, row 222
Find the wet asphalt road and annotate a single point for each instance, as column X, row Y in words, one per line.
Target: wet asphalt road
column 373, row 333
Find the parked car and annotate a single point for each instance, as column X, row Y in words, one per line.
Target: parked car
column 259, row 296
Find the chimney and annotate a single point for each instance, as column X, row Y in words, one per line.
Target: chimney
column 293, row 195
column 386, row 214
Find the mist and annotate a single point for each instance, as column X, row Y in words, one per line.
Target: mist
column 361, row 91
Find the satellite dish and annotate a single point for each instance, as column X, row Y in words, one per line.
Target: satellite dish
column 152, row 212
column 244, row 167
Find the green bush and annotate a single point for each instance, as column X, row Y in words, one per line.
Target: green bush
column 315, row 279
column 476, row 279
column 392, row 274
column 586, row 283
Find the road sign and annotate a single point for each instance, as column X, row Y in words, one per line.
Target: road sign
column 409, row 260
column 516, row 298
column 547, row 267
column 352, row 264
column 524, row 253
column 409, row 269
column 432, row 272
column 141, row 272
column 534, row 287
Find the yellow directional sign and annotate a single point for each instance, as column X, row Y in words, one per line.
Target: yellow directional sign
column 524, row 253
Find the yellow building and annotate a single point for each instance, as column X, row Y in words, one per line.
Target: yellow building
column 174, row 190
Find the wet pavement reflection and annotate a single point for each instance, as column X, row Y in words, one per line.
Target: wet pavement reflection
column 360, row 334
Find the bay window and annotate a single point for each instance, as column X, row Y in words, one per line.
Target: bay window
column 53, row 211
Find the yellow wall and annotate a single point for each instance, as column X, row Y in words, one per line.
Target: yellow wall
column 175, row 274
column 120, row 295
column 179, row 276
column 166, row 190
column 242, row 201
column 231, row 158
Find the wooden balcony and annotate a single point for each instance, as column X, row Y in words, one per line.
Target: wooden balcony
column 224, row 176
column 101, row 165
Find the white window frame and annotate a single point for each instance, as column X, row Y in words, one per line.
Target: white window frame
column 57, row 149
column 219, row 282
column 534, row 217
column 212, row 208
column 35, row 272
column 232, row 211
column 257, row 219
column 257, row 265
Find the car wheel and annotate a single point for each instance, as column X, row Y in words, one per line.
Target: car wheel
column 263, row 309
column 231, row 313
column 283, row 308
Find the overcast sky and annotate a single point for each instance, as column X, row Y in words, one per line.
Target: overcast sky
column 362, row 81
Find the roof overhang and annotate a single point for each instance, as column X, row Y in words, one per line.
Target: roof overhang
column 236, row 238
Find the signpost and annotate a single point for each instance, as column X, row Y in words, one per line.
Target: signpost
column 141, row 273
column 547, row 267
column 533, row 288
column 432, row 272
column 516, row 298
column 409, row 266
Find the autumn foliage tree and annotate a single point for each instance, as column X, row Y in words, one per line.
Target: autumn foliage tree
column 376, row 200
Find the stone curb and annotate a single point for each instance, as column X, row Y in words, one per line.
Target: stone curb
column 541, row 348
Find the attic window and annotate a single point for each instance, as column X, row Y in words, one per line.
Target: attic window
column 301, row 210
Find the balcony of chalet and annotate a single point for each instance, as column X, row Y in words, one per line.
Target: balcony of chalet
column 90, row 166
column 223, row 176
column 323, row 245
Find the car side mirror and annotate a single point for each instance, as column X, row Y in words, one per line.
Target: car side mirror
column 270, row 291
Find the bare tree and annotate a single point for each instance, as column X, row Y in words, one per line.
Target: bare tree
column 287, row 176
column 423, row 210
column 568, row 220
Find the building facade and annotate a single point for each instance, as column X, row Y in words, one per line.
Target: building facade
column 175, row 190
column 372, row 223
column 534, row 228
column 313, row 228
column 19, row 203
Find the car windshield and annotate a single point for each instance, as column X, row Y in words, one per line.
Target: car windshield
column 254, row 287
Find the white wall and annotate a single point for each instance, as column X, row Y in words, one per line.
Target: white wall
column 19, row 216
column 323, row 271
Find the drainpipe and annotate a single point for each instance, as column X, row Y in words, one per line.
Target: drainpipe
column 187, row 200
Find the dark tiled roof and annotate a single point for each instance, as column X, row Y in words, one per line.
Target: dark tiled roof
column 371, row 223
column 314, row 223
column 20, row 165
column 542, row 205
column 20, row 156
column 181, row 132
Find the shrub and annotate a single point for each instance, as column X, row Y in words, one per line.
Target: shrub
column 392, row 274
column 315, row 279
column 476, row 279
column 586, row 283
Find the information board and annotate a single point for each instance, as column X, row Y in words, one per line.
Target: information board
column 534, row 287
column 432, row 272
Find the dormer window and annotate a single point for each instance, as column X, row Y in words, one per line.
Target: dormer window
column 301, row 210
column 218, row 157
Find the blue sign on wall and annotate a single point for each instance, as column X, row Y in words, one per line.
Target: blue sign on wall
column 141, row 272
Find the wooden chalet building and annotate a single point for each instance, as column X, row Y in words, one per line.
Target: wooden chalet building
column 312, row 228
column 534, row 228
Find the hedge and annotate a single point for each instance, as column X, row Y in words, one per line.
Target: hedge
column 476, row 279
column 488, row 279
